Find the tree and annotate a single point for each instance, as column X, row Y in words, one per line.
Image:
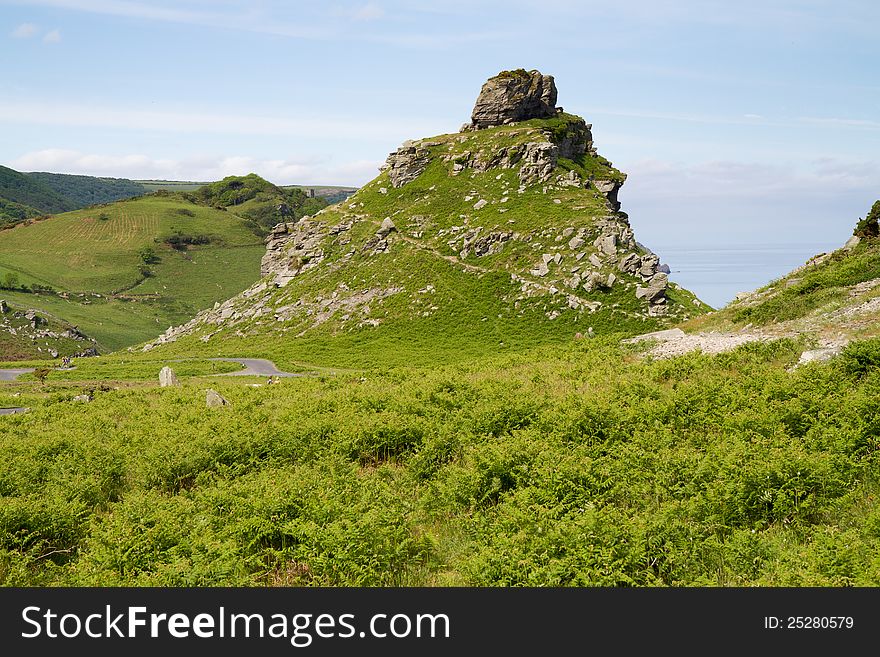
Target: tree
column 148, row 255
column 10, row 281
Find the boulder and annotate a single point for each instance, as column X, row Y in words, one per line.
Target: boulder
column 514, row 96
column 214, row 399
column 386, row 227
column 655, row 292
column 83, row 398
column 818, row 355
column 167, row 377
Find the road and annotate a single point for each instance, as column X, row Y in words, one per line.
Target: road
column 13, row 374
column 12, row 411
column 255, row 367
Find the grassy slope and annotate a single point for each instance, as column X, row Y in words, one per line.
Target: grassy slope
column 84, row 255
column 19, row 340
column 474, row 308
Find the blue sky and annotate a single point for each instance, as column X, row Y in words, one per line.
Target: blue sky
column 737, row 123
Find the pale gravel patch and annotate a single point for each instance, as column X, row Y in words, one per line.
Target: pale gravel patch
column 708, row 343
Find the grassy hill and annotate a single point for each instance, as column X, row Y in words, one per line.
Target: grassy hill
column 30, row 195
column 479, row 420
column 258, row 201
column 124, row 271
column 475, row 261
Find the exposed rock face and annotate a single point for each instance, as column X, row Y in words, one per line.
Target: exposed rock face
column 539, row 161
column 291, row 249
column 406, row 163
column 167, row 377
column 609, row 188
column 514, row 96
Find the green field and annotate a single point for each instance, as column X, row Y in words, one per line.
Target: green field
column 92, row 259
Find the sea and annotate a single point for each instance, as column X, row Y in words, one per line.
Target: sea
column 716, row 274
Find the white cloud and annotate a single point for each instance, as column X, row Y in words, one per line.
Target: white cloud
column 304, row 170
column 52, row 37
column 389, row 129
column 728, row 202
column 24, row 31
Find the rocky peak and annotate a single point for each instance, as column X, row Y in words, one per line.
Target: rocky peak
column 514, row 96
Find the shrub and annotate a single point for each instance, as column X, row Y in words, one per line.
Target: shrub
column 859, row 358
column 870, row 225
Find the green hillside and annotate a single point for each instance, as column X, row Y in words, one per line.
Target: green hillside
column 12, row 213
column 258, row 201
column 21, row 189
column 83, row 191
column 26, row 334
column 576, row 464
column 125, row 271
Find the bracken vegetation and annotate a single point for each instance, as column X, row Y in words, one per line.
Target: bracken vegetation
column 575, row 465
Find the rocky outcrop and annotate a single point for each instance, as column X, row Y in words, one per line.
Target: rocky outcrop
column 538, row 162
column 514, row 96
column 291, row 249
column 406, row 163
column 609, row 189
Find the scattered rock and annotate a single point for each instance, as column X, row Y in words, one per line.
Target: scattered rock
column 479, row 205
column 818, row 355
column 83, row 398
column 167, row 378
column 386, row 227
column 214, row 399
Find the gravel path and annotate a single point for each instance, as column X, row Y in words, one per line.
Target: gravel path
column 675, row 342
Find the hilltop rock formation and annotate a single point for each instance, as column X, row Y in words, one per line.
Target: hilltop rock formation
column 514, row 96
column 524, row 213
